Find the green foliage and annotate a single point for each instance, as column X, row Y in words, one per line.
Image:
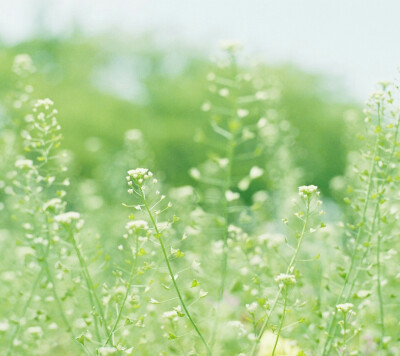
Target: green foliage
column 165, row 104
column 222, row 251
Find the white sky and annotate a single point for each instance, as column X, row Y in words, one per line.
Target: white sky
column 354, row 40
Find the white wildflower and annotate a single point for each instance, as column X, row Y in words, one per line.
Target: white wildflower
column 262, row 122
column 261, row 95
column 224, row 92
column 241, row 113
column 285, row 279
column 345, row 307
column 239, row 326
column 35, row 331
column 4, row 325
column 24, row 163
column 46, row 103
column 139, row 175
column 256, row 172
column 69, row 218
column 106, row 350
column 23, row 64
column 53, row 326
column 211, row 76
column 230, row 196
column 133, row 135
column 206, row 106
column 52, row 204
column 170, row 314
column 195, row 173
column 137, row 224
column 308, row 190
column 251, row 308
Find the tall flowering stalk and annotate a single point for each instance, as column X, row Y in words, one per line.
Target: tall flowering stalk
column 40, row 184
column 140, row 181
column 41, row 180
column 240, row 141
column 379, row 156
column 286, row 280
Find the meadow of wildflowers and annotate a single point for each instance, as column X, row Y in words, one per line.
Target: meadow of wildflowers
column 246, row 260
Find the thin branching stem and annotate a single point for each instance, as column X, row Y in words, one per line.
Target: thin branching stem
column 331, row 329
column 128, row 288
column 231, row 144
column 327, row 345
column 24, row 310
column 379, row 289
column 288, row 270
column 60, row 306
column 94, row 301
column 282, row 320
column 171, row 273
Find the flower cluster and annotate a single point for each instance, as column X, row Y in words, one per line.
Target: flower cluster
column 43, row 103
column 285, row 279
column 136, row 177
column 136, row 225
column 70, row 218
column 23, row 65
column 241, row 248
column 24, row 164
column 345, row 307
column 308, row 190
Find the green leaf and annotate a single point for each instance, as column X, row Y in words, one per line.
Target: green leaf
column 172, row 336
column 195, row 283
column 142, row 252
column 81, row 339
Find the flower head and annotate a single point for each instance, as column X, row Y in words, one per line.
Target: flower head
column 24, row 164
column 137, row 224
column 35, row 330
column 107, row 350
column 170, row 314
column 285, row 279
column 43, row 103
column 52, row 204
column 69, row 218
column 345, row 307
column 133, row 135
column 308, row 190
column 23, row 64
column 138, row 176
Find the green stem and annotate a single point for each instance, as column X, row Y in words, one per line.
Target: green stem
column 288, row 270
column 228, row 182
column 60, row 307
column 282, row 321
column 173, row 326
column 224, row 262
column 344, row 334
column 378, row 189
column 164, row 252
column 327, row 345
column 24, row 310
column 379, row 291
column 91, row 293
column 130, row 281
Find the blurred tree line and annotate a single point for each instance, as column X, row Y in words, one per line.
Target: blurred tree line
column 103, row 87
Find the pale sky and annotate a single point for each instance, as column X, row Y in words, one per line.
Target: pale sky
column 355, row 41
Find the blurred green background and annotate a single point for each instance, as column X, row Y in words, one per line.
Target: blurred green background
column 103, row 87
